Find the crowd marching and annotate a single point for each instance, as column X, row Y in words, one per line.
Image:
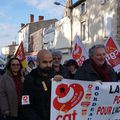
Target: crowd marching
column 33, row 84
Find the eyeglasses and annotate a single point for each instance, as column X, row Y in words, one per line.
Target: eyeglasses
column 45, row 61
column 56, row 58
column 15, row 65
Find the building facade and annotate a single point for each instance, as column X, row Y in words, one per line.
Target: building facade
column 92, row 20
column 95, row 20
column 10, row 49
column 27, row 32
column 36, row 41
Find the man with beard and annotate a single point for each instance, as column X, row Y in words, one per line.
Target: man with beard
column 37, row 89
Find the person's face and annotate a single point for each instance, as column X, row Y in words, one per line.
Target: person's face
column 31, row 65
column 15, row 66
column 71, row 68
column 46, row 62
column 99, row 56
column 56, row 60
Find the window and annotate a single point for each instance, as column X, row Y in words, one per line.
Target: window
column 82, row 8
column 83, row 30
column 31, row 44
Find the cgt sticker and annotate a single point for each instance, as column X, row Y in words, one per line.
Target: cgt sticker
column 62, row 90
column 25, row 100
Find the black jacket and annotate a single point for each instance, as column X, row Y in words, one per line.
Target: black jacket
column 86, row 72
column 39, row 98
column 63, row 71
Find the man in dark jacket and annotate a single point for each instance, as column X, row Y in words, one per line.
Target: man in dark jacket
column 37, row 89
column 60, row 69
column 96, row 67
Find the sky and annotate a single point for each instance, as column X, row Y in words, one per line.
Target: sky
column 15, row 12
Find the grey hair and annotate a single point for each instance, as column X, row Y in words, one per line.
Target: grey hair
column 56, row 53
column 92, row 49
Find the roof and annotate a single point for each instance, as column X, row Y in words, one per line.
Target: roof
column 40, row 24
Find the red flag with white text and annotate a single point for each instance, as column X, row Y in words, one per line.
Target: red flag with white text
column 79, row 52
column 113, row 54
column 21, row 54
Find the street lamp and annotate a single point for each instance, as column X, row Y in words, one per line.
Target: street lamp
column 57, row 3
column 71, row 19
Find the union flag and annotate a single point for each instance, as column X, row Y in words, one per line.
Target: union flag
column 113, row 53
column 79, row 52
column 21, row 55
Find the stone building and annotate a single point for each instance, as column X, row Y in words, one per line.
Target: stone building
column 92, row 20
column 28, row 29
column 10, row 49
column 95, row 20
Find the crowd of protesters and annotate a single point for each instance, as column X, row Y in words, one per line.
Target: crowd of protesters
column 25, row 94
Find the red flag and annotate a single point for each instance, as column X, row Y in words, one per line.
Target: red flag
column 21, row 54
column 79, row 52
column 113, row 54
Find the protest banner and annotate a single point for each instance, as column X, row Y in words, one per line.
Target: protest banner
column 82, row 100
column 79, row 52
column 113, row 54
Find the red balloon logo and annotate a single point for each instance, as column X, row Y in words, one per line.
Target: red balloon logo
column 62, row 90
column 77, row 51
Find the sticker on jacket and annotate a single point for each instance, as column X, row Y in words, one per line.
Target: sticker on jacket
column 25, row 100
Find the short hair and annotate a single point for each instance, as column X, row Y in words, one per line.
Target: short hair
column 72, row 62
column 41, row 53
column 92, row 49
column 56, row 53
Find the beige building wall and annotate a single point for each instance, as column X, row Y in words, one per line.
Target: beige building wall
column 118, row 22
column 5, row 50
column 36, row 39
column 62, row 39
column 62, row 34
column 9, row 50
column 100, row 21
column 23, row 36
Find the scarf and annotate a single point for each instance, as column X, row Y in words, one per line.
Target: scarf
column 18, row 85
column 103, row 71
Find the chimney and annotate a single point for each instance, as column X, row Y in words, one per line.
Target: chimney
column 22, row 25
column 41, row 18
column 31, row 18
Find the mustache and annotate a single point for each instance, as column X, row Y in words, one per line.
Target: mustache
column 47, row 69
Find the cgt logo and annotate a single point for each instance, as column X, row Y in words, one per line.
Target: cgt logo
column 77, row 51
column 113, row 55
column 62, row 91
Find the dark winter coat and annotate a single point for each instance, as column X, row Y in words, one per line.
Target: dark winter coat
column 86, row 72
column 63, row 71
column 8, row 94
column 39, row 98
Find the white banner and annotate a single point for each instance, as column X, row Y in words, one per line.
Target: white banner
column 82, row 100
column 79, row 52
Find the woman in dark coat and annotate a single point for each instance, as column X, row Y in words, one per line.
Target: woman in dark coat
column 10, row 90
